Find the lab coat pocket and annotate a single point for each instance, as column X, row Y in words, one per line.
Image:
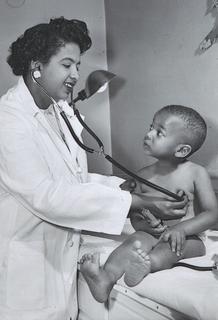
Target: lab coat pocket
column 26, row 275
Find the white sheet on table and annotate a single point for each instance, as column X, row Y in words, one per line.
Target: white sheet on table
column 194, row 293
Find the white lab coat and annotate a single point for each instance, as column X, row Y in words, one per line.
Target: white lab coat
column 44, row 202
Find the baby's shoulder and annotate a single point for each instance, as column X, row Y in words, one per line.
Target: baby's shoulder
column 192, row 168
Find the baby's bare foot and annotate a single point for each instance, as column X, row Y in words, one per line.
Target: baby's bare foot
column 138, row 265
column 96, row 278
column 89, row 265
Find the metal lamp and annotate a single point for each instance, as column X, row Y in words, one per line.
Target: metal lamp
column 96, row 82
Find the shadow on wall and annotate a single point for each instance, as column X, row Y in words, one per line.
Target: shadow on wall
column 118, row 82
column 212, row 36
column 115, row 86
column 207, row 155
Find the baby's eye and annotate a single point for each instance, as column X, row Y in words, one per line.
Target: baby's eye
column 159, row 133
column 151, row 127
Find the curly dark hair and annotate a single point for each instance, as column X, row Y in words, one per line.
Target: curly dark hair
column 42, row 41
column 194, row 123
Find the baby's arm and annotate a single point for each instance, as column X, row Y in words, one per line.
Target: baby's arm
column 213, row 173
column 205, row 195
column 147, row 222
column 208, row 211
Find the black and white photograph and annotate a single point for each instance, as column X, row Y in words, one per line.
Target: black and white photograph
column 109, row 160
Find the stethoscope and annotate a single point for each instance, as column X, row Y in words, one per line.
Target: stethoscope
column 35, row 74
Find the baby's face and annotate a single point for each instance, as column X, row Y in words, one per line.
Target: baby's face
column 165, row 134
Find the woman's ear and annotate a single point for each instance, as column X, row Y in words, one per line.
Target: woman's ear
column 183, row 150
column 35, row 65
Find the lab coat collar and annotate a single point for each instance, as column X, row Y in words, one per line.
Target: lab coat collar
column 27, row 102
column 25, row 98
column 29, row 107
column 71, row 116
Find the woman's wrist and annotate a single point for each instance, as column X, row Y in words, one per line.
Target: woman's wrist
column 139, row 202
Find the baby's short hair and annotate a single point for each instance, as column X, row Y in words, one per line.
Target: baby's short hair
column 193, row 122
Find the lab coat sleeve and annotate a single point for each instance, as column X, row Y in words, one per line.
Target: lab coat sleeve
column 25, row 176
column 110, row 181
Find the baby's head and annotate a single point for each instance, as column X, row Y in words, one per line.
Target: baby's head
column 176, row 132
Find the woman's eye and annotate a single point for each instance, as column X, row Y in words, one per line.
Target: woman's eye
column 67, row 66
column 151, row 127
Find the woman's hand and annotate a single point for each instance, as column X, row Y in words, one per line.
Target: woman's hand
column 129, row 185
column 169, row 208
column 164, row 208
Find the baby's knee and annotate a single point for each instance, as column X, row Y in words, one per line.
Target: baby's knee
column 156, row 262
column 136, row 236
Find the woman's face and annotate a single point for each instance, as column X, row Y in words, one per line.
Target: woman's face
column 61, row 73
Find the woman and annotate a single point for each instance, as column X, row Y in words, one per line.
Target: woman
column 46, row 193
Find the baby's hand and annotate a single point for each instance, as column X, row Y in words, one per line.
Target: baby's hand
column 176, row 237
column 150, row 218
column 156, row 224
column 129, row 185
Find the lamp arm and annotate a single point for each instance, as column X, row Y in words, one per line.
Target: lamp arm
column 81, row 96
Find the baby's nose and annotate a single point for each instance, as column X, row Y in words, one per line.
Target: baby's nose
column 148, row 136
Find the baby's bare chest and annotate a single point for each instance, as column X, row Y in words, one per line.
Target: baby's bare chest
column 174, row 181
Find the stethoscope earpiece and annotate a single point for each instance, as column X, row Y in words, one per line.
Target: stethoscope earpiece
column 36, row 74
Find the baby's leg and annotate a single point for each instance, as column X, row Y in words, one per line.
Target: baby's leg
column 162, row 257
column 99, row 281
column 131, row 258
column 128, row 258
column 138, row 265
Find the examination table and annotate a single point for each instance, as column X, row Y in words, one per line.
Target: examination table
column 179, row 293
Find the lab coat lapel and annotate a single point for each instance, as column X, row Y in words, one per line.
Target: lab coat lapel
column 62, row 148
column 76, row 151
column 30, row 108
column 77, row 127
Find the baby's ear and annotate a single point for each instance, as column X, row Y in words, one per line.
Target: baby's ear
column 183, row 150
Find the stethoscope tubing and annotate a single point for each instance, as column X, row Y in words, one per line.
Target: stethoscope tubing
column 75, row 137
column 194, row 267
column 114, row 162
column 100, row 143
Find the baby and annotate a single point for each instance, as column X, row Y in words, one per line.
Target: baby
column 175, row 134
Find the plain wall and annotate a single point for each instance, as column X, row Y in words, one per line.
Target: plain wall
column 14, row 21
column 153, row 49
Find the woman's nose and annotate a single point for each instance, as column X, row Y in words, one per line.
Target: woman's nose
column 74, row 73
